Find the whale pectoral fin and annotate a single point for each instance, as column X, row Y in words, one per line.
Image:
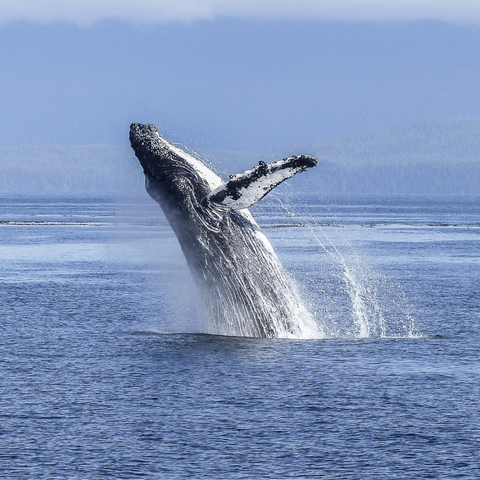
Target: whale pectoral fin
column 245, row 189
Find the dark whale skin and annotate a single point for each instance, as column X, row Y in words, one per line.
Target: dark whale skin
column 244, row 286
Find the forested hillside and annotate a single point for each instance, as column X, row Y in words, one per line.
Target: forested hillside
column 432, row 158
column 69, row 169
column 440, row 157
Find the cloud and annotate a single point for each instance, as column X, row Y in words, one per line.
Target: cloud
column 86, row 12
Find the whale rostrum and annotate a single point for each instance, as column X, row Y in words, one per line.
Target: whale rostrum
column 241, row 281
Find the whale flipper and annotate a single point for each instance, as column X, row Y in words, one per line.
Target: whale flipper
column 245, row 189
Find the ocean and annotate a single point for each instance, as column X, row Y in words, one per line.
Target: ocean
column 108, row 369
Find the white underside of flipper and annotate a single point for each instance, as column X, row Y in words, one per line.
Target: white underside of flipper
column 244, row 190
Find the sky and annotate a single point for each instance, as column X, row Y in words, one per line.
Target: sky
column 86, row 12
column 234, row 75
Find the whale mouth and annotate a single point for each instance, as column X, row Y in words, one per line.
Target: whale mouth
column 154, row 153
column 162, row 160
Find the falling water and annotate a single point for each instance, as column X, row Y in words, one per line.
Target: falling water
column 372, row 306
column 366, row 312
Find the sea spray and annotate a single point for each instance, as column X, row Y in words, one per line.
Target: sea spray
column 365, row 310
column 346, row 295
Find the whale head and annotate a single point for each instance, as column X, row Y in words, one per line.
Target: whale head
column 187, row 189
column 173, row 178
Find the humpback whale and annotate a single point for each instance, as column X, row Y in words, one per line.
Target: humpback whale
column 241, row 281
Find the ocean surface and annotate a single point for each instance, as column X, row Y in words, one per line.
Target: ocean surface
column 108, row 370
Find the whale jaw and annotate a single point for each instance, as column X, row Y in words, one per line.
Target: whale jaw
column 161, row 159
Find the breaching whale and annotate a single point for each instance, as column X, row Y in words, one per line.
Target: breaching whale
column 241, row 281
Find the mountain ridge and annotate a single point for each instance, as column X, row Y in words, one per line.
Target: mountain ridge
column 430, row 157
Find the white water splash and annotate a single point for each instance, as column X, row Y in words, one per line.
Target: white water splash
column 366, row 312
column 370, row 306
column 369, row 295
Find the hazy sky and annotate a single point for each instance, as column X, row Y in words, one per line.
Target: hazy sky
column 231, row 74
column 164, row 11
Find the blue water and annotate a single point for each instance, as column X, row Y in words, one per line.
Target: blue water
column 105, row 371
